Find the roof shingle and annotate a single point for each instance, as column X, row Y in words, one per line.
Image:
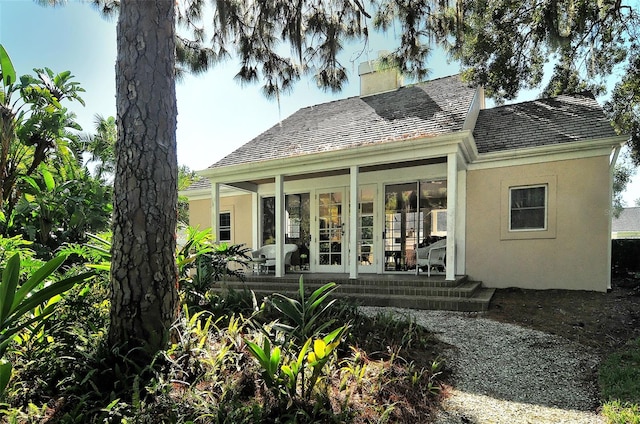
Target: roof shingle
column 536, row 123
column 422, row 110
column 629, row 220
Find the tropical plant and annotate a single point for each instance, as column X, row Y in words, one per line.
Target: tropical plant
column 305, row 316
column 201, row 263
column 34, row 124
column 46, row 194
column 230, row 260
column 52, row 212
column 30, row 303
column 101, row 147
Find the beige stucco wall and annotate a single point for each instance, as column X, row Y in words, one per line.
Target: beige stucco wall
column 241, row 216
column 573, row 254
column 200, row 213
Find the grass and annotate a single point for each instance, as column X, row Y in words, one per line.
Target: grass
column 619, row 379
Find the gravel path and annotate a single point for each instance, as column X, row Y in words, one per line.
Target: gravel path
column 504, row 373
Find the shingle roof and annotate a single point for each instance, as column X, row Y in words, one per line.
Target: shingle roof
column 200, row 183
column 629, row 220
column 541, row 122
column 427, row 109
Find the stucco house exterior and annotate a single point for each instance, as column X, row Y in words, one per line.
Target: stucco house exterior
column 521, row 192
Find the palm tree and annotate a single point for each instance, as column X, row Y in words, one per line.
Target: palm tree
column 101, row 147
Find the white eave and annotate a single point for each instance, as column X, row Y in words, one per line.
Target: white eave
column 548, row 153
column 367, row 155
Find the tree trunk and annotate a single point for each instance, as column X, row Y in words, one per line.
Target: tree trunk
column 143, row 268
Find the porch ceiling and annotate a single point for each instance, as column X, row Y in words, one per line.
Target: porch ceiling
column 345, row 171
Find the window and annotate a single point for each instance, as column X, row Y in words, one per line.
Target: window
column 224, row 227
column 528, row 206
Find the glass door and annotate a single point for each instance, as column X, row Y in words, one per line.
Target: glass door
column 331, row 232
column 366, row 217
column 401, row 226
column 415, row 216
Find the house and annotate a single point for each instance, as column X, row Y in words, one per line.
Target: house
column 521, row 192
column 627, row 224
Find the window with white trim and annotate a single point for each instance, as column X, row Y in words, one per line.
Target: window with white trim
column 528, row 208
column 224, row 226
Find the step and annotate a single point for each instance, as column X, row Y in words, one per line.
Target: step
column 469, row 296
column 465, row 289
column 311, row 280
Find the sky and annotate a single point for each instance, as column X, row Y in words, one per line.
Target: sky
column 216, row 114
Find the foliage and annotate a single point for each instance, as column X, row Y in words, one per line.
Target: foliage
column 304, row 314
column 46, row 194
column 35, row 126
column 101, row 147
column 16, row 244
column 209, row 373
column 202, row 263
column 186, row 177
column 624, row 256
column 95, row 254
column 229, row 260
column 26, row 305
column 622, row 175
column 62, row 212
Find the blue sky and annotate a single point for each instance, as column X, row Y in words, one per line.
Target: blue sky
column 215, row 113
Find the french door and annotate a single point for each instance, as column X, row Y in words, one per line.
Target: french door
column 415, row 216
column 366, row 244
column 331, row 230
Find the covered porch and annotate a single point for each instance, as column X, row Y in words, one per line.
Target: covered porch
column 349, row 224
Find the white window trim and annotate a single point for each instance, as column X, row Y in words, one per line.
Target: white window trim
column 550, row 230
column 545, row 206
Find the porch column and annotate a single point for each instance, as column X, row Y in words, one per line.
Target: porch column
column 353, row 223
column 279, row 226
column 215, row 210
column 452, row 197
column 256, row 226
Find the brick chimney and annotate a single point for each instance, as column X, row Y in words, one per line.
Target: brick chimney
column 376, row 78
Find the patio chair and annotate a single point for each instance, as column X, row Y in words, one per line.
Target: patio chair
column 265, row 257
column 433, row 256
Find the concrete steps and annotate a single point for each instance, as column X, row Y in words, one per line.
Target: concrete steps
column 414, row 292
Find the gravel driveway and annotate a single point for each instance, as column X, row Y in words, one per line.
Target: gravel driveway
column 503, row 373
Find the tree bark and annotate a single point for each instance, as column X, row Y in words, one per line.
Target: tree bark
column 143, row 269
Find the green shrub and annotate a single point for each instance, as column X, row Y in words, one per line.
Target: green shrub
column 25, row 305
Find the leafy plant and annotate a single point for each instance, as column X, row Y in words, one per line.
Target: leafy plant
column 230, row 260
column 304, row 314
column 9, row 246
column 201, row 263
column 269, row 359
column 322, row 353
column 96, row 252
column 19, row 301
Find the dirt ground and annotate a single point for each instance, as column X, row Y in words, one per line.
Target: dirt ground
column 604, row 321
